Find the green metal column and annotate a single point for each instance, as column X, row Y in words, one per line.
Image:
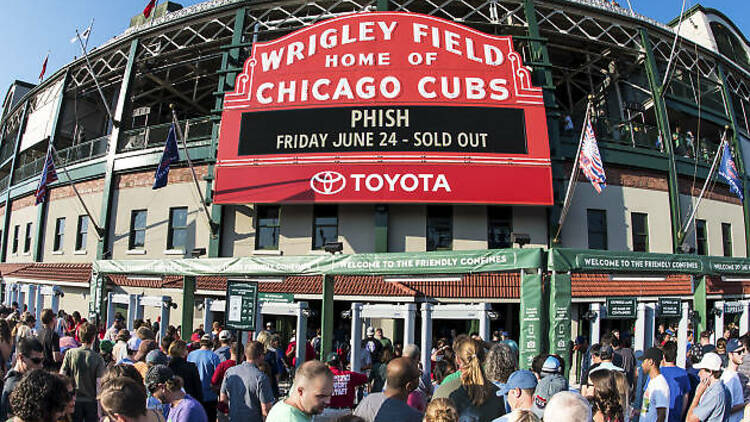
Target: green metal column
column 559, row 316
column 382, row 5
column 230, row 62
column 542, row 76
column 740, row 157
column 41, row 210
column 662, row 121
column 105, row 218
column 326, row 317
column 7, row 210
column 699, row 305
column 188, row 305
column 532, row 311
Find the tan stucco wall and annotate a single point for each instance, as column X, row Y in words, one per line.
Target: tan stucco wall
column 71, row 208
column 23, row 211
column 715, row 213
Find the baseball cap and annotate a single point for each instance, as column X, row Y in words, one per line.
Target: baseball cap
column 733, row 345
column 653, row 353
column 670, row 332
column 225, row 335
column 545, row 389
column 711, row 362
column 156, row 357
column 158, row 374
column 206, row 337
column 370, row 331
column 332, row 357
column 551, row 365
column 505, row 334
column 106, row 346
column 523, row 379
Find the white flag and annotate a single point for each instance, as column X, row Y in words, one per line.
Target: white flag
column 84, row 36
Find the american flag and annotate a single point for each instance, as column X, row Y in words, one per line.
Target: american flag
column 49, row 175
column 590, row 160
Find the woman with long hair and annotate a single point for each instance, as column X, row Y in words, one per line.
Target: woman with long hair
column 441, row 410
column 473, row 393
column 605, row 401
column 6, row 345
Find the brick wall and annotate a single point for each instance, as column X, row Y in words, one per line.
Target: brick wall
column 176, row 175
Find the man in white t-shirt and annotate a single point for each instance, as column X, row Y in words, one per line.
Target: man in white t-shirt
column 732, row 380
column 655, row 407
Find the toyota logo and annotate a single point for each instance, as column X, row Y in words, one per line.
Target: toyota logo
column 328, row 182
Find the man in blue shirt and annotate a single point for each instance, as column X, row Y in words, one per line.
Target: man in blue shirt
column 678, row 381
column 206, row 361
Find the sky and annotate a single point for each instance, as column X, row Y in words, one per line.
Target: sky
column 31, row 28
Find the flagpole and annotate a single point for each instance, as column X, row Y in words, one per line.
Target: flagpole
column 211, row 223
column 689, row 222
column 99, row 231
column 573, row 174
column 115, row 123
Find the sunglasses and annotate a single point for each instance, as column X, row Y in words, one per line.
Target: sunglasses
column 36, row 361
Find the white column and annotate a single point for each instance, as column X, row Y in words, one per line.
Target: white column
column 8, row 295
column 207, row 314
column 426, row 345
column 744, row 317
column 133, row 303
column 21, row 296
column 356, row 340
column 139, row 308
column 32, row 299
column 640, row 328
column 682, row 330
column 410, row 317
column 39, row 306
column 596, row 322
column 166, row 310
column 301, row 332
column 484, row 323
column 718, row 321
column 56, row 293
column 650, row 324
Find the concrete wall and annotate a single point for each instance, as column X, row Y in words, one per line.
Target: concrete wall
column 716, row 212
column 75, row 299
column 407, row 228
column 614, row 200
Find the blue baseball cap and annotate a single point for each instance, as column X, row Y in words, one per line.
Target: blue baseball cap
column 523, row 379
column 733, row 345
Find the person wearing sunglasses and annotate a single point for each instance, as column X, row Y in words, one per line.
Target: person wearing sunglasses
column 30, row 355
column 731, row 379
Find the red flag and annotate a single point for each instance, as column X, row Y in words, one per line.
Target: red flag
column 44, row 67
column 149, row 8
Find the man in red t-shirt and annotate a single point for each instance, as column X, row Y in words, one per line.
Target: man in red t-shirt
column 291, row 351
column 344, row 383
column 236, row 351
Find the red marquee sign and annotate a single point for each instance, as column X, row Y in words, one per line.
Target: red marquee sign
column 384, row 107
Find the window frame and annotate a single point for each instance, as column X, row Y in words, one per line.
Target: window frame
column 430, row 220
column 59, row 235
column 701, row 241
column 27, row 238
column 16, row 233
column 172, row 228
column 645, row 234
column 726, row 239
column 82, row 236
column 603, row 233
column 495, row 222
column 132, row 233
column 317, row 210
column 262, row 227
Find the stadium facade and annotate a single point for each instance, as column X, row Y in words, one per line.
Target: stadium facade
column 489, row 249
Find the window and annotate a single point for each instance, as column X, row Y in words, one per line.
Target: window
column 325, row 225
column 726, row 238
column 137, row 238
column 597, row 227
column 16, row 228
column 59, row 233
column 267, row 227
column 499, row 227
column 701, row 237
column 439, row 227
column 27, row 239
column 639, row 229
column 82, row 233
column 177, row 236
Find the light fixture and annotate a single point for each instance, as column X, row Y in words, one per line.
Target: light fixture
column 715, row 312
column 521, row 238
column 589, row 316
column 494, row 316
column 346, row 314
column 197, row 252
column 405, row 279
column 333, row 247
column 638, row 278
column 734, row 279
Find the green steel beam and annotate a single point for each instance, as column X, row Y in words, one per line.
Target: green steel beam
column 41, row 211
column 382, row 5
column 7, row 210
column 662, row 123
column 699, row 305
column 326, row 317
column 188, row 305
column 105, row 218
column 542, row 75
column 227, row 79
column 740, row 157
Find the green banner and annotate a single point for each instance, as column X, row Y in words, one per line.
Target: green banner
column 728, row 266
column 621, row 307
column 439, row 262
column 559, row 316
column 530, row 342
column 241, row 303
column 276, row 297
column 564, row 260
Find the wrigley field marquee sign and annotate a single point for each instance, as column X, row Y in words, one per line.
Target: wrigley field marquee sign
column 384, row 107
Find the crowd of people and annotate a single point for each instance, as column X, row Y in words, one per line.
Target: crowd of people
column 67, row 369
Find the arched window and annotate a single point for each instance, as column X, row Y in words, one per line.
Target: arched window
column 728, row 44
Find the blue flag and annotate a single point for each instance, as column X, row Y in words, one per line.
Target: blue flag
column 49, row 175
column 169, row 156
column 728, row 170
